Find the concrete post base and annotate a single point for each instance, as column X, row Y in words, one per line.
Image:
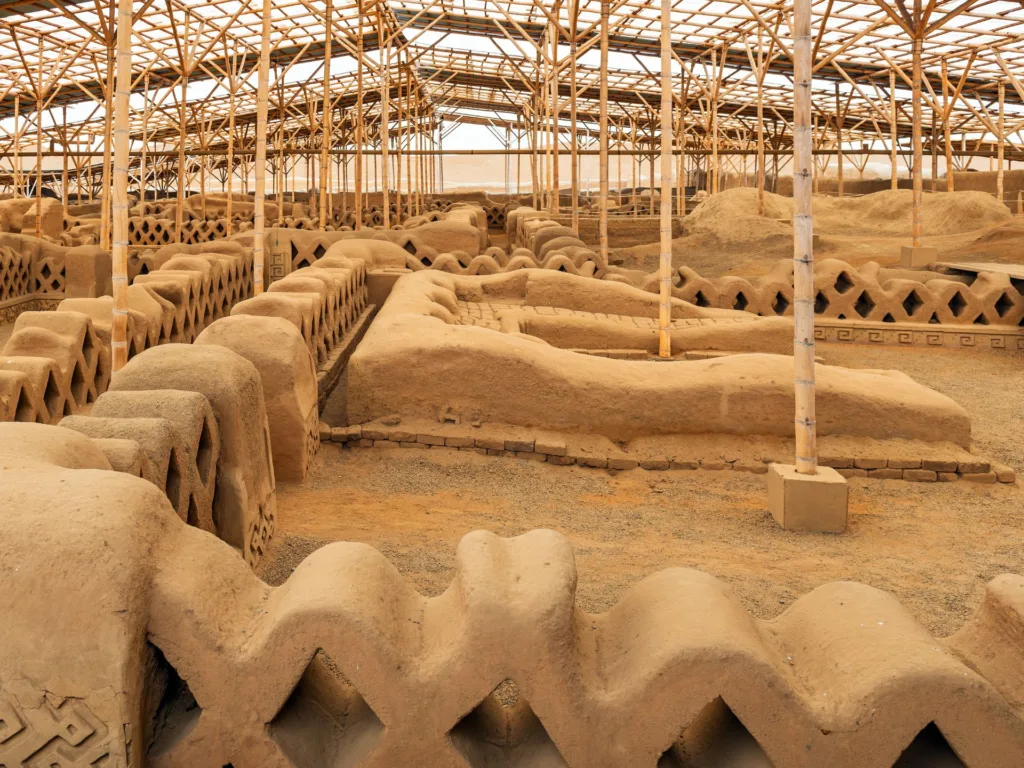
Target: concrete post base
column 921, row 256
column 808, row 502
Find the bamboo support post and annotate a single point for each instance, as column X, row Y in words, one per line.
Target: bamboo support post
column 839, row 145
column 119, row 255
column 760, row 123
column 39, row 143
column 107, row 140
column 385, row 120
column 894, row 136
column 259, row 216
column 602, row 227
column 1000, row 125
column 358, row 170
column 947, row 145
column 665, row 270
column 228, row 210
column 918, row 168
column 573, row 137
column 803, row 245
column 325, row 120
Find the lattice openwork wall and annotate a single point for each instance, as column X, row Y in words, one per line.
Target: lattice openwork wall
column 846, row 293
column 16, row 274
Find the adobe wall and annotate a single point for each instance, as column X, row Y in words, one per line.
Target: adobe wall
column 623, row 230
column 182, row 657
column 56, row 364
column 420, row 359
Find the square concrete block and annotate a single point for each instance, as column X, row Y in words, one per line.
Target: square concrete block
column 920, row 256
column 808, row 502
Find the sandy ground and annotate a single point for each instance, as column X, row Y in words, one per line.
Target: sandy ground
column 729, row 239
column 932, row 545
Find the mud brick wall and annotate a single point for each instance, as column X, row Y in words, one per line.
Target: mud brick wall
column 182, row 657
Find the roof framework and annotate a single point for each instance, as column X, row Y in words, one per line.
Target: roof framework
column 488, row 62
column 202, row 88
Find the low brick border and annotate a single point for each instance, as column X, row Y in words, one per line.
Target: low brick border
column 556, row 452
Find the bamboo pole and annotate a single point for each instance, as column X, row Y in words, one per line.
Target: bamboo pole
column 358, row 170
column 556, row 111
column 1002, row 143
column 179, row 216
column 803, row 245
column 282, row 159
column 634, row 161
column 39, row 144
column 326, row 131
column 947, row 145
column 602, row 227
column 107, row 140
column 145, row 142
column 228, row 210
column 760, row 123
column 400, row 119
column 894, row 137
column 839, row 145
column 573, row 137
column 16, row 163
column 715, row 169
column 259, row 216
column 665, row 276
column 385, row 119
column 918, row 169
column 119, row 255
column 64, row 158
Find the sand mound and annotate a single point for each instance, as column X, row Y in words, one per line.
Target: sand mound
column 1002, row 244
column 887, row 214
column 731, row 216
column 1012, row 230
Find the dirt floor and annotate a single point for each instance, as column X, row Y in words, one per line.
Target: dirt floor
column 932, row 545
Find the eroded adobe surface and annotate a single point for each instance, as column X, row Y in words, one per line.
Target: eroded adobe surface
column 181, row 657
column 426, row 353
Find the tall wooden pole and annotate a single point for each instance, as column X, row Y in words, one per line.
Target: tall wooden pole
column 635, row 160
column 385, row 118
column 665, row 272
column 119, row 255
column 1002, row 142
column 228, row 210
column 16, row 161
column 556, row 198
column 179, row 216
column 894, row 136
column 259, row 217
column 715, row 181
column 947, row 145
column 358, row 170
column 602, row 226
column 918, row 170
column 326, row 130
column 107, row 141
column 839, row 145
column 574, row 8
column 64, row 156
column 803, row 244
column 39, row 143
column 401, row 117
column 760, row 123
